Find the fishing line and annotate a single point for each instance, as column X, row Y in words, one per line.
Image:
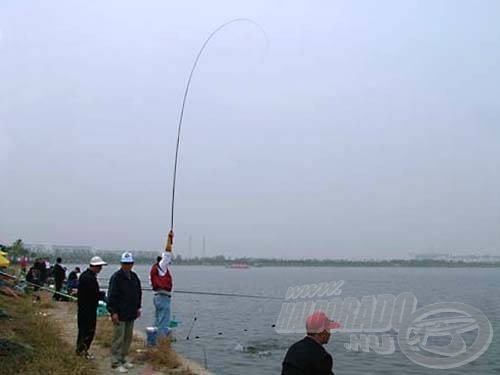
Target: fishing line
column 185, row 99
column 222, row 294
column 201, row 292
column 195, row 315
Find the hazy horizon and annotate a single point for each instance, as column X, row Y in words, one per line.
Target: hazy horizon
column 364, row 129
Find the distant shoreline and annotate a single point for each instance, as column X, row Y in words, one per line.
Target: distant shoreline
column 359, row 265
column 149, row 257
column 354, row 266
column 325, row 263
column 81, row 255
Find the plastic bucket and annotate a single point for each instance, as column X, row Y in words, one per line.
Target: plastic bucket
column 151, row 334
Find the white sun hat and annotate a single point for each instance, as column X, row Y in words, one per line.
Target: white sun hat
column 97, row 261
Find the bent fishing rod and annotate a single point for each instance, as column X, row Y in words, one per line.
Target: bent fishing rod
column 184, row 100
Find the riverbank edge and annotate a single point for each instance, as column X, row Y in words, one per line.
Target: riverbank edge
column 186, row 363
column 64, row 315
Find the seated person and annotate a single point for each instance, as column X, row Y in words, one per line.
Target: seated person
column 72, row 282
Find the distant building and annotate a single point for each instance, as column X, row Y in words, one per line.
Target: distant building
column 71, row 248
column 433, row 256
column 450, row 257
column 36, row 248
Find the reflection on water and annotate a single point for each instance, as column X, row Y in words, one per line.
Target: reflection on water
column 236, row 336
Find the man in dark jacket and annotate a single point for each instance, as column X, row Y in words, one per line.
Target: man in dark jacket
column 307, row 356
column 33, row 276
column 124, row 305
column 59, row 273
column 88, row 299
column 42, row 270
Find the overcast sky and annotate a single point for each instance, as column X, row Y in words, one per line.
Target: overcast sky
column 363, row 129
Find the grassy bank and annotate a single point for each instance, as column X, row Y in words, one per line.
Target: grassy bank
column 37, row 336
column 33, row 344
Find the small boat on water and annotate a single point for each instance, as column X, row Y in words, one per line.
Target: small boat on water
column 241, row 266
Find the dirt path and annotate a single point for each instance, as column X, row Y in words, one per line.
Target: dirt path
column 64, row 315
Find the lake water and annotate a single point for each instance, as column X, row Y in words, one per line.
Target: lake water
column 234, row 335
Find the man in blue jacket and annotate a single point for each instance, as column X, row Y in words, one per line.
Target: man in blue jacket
column 124, row 305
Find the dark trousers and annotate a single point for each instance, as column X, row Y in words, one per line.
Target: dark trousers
column 59, row 284
column 87, row 318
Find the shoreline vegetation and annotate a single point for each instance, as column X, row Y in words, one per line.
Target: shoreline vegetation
column 38, row 335
column 82, row 256
column 31, row 344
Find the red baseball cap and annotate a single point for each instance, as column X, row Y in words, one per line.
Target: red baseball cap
column 318, row 322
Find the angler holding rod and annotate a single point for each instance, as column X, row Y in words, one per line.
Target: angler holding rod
column 161, row 282
column 161, row 278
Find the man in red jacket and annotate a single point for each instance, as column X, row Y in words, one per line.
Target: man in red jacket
column 161, row 281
